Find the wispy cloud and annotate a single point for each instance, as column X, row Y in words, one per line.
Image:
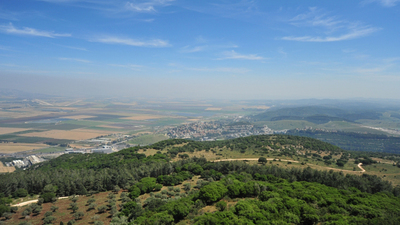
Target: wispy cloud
column 132, row 42
column 128, row 66
column 180, row 67
column 370, row 70
column 234, row 55
column 10, row 29
column 282, row 52
column 147, row 6
column 75, row 60
column 190, row 49
column 384, row 3
column 221, row 69
column 10, row 65
column 5, row 48
column 334, row 28
column 72, row 47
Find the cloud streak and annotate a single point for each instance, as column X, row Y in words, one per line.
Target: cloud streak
column 75, row 60
column 147, row 7
column 334, row 28
column 10, row 29
column 189, row 49
column 128, row 66
column 221, row 69
column 132, row 42
column 234, row 55
column 384, row 3
column 357, row 33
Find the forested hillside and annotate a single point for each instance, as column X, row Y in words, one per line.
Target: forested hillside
column 256, row 194
column 315, row 114
column 354, row 141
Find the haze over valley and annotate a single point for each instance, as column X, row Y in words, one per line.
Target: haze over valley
column 199, row 112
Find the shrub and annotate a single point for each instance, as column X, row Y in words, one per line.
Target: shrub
column 221, row 205
column 49, row 220
column 54, row 208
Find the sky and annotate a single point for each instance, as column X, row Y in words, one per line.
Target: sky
column 202, row 49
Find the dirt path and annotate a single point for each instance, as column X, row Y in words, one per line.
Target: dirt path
column 285, row 160
column 362, row 169
column 33, row 201
column 250, row 159
column 25, row 203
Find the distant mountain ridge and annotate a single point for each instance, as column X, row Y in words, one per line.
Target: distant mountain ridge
column 315, row 114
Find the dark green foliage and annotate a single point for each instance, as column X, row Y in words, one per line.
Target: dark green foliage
column 49, row 220
column 48, row 197
column 156, row 218
column 54, row 208
column 7, row 215
column 21, row 192
column 79, row 215
column 102, row 208
column 262, row 160
column 221, row 205
column 213, row 192
column 174, row 179
column 132, row 210
column 134, row 192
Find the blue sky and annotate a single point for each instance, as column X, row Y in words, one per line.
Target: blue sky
column 202, row 49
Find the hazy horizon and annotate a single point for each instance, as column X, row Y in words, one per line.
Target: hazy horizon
column 202, row 50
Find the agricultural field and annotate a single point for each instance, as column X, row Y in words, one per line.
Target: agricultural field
column 76, row 134
column 6, row 169
column 63, row 121
column 18, row 147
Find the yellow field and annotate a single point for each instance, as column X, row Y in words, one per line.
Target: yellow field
column 78, row 117
column 5, row 169
column 77, row 134
column 256, row 107
column 7, row 130
column 213, row 109
column 142, row 117
column 122, row 103
column 113, row 127
column 19, row 114
column 19, row 147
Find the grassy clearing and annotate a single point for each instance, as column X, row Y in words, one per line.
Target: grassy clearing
column 48, row 150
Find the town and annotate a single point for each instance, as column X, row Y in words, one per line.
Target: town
column 217, row 130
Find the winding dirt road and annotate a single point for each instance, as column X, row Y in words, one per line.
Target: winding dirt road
column 285, row 160
column 251, row 159
column 32, row 201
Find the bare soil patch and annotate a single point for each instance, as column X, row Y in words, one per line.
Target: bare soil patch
column 78, row 117
column 213, row 109
column 142, row 117
column 112, row 127
column 19, row 147
column 8, row 130
column 77, row 134
column 6, row 169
